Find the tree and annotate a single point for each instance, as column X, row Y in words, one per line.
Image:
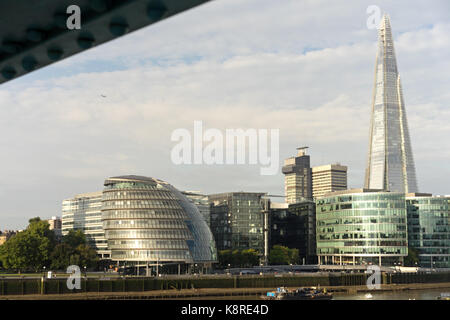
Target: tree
column 36, row 247
column 294, row 256
column 412, row 259
column 283, row 255
column 249, row 258
column 74, row 250
column 225, row 258
column 238, row 258
column 29, row 249
column 74, row 238
column 87, row 256
column 61, row 256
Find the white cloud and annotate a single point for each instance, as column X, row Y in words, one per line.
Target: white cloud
column 303, row 67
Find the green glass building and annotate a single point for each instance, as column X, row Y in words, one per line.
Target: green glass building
column 429, row 229
column 361, row 226
column 237, row 220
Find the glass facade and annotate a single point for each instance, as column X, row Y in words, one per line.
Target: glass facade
column 148, row 220
column 202, row 203
column 361, row 227
column 237, row 220
column 390, row 163
column 83, row 212
column 429, row 229
column 295, row 227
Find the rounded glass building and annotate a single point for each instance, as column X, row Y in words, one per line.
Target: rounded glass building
column 147, row 221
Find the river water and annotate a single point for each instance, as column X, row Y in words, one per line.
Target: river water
column 427, row 294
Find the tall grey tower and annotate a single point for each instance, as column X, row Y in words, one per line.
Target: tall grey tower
column 298, row 177
column 390, row 164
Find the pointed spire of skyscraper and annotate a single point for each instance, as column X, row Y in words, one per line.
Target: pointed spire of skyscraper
column 390, row 164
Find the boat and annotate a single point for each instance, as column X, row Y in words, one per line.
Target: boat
column 303, row 293
column 444, row 296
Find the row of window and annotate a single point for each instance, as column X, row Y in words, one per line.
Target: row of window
column 361, row 243
column 361, row 220
column 151, row 255
column 359, row 250
column 156, row 194
column 147, row 244
column 149, row 234
column 362, row 228
column 145, row 214
column 131, row 185
column 363, row 198
column 361, row 213
column 357, row 235
column 141, row 204
column 154, row 223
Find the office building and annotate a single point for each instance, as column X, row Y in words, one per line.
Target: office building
column 361, row 226
column 6, row 235
column 294, row 226
column 55, row 224
column 147, row 222
column 429, row 229
column 328, row 178
column 390, row 163
column 237, row 220
column 83, row 212
column 297, row 180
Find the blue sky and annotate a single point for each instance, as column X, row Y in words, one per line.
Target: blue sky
column 304, row 67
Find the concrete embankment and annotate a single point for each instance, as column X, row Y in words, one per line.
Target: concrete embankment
column 214, row 293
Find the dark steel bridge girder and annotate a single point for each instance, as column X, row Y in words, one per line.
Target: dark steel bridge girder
column 33, row 34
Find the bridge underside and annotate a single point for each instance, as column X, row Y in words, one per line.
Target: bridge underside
column 34, row 34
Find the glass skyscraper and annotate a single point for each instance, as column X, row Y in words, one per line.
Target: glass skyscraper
column 390, row 164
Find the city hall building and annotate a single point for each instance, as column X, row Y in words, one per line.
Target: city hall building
column 145, row 222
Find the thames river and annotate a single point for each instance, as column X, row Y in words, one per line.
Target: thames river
column 426, row 294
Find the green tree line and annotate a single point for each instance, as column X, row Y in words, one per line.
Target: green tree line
column 278, row 255
column 37, row 247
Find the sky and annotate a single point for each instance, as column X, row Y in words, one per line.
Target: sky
column 303, row 67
